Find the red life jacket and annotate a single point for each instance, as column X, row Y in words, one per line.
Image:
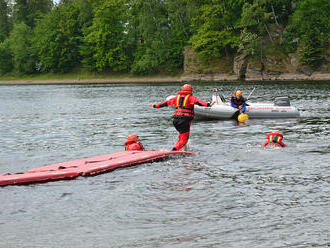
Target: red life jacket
column 274, row 139
column 274, row 145
column 238, row 102
column 135, row 146
column 183, row 106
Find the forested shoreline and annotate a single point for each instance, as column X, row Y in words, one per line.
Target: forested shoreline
column 146, row 37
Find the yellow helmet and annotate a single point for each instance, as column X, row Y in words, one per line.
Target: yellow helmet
column 239, row 93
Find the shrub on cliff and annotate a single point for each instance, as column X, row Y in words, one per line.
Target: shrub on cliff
column 311, row 24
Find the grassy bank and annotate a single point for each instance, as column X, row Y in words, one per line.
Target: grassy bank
column 86, row 78
column 91, row 78
column 82, row 75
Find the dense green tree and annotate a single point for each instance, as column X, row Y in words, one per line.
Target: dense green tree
column 260, row 18
column 249, row 44
column 311, row 50
column 217, row 28
column 279, row 10
column 58, row 38
column 28, row 11
column 148, row 36
column 311, row 23
column 256, row 18
column 151, row 27
column 106, row 39
column 161, row 30
column 20, row 43
column 4, row 20
column 6, row 59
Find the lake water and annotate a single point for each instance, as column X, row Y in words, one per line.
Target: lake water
column 233, row 194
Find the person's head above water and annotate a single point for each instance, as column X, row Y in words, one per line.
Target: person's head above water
column 132, row 138
column 275, row 135
column 274, row 139
column 133, row 143
column 238, row 94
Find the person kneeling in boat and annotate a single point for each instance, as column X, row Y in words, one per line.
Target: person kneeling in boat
column 274, row 139
column 133, row 143
column 237, row 101
column 184, row 112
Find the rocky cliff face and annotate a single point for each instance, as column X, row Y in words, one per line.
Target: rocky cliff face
column 271, row 65
column 197, row 69
column 194, row 64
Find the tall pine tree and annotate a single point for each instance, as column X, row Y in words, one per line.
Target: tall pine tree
column 4, row 20
column 28, row 11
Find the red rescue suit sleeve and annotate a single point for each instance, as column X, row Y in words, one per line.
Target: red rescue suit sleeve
column 265, row 143
column 194, row 100
column 165, row 103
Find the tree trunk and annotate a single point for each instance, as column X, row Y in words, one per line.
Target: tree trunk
column 274, row 15
column 270, row 37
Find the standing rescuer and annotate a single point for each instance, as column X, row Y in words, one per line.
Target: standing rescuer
column 133, row 143
column 184, row 112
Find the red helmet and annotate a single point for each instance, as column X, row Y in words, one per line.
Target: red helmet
column 187, row 88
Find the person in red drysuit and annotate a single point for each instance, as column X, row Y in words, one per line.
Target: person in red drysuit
column 133, row 143
column 184, row 112
column 274, row 139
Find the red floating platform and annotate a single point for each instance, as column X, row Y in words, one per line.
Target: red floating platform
column 86, row 167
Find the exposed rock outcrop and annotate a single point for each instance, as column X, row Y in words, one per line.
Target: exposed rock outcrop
column 240, row 66
column 271, row 65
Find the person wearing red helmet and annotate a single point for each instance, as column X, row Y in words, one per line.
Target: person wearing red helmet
column 184, row 112
column 133, row 143
column 274, row 139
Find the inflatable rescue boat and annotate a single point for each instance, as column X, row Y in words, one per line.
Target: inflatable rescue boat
column 280, row 108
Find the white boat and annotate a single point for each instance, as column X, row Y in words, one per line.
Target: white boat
column 280, row 108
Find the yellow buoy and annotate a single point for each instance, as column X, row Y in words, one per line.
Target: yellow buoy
column 243, row 117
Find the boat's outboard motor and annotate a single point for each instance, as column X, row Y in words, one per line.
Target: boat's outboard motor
column 282, row 101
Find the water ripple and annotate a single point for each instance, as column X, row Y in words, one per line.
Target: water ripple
column 234, row 193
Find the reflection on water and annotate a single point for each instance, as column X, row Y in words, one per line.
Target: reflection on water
column 235, row 193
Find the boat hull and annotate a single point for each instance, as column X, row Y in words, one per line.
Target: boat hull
column 223, row 111
column 257, row 110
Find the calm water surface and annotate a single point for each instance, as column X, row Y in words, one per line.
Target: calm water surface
column 233, row 194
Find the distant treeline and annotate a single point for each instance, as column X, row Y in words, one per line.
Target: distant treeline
column 149, row 36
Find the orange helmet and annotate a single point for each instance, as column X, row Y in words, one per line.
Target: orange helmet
column 238, row 93
column 132, row 138
column 187, row 88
